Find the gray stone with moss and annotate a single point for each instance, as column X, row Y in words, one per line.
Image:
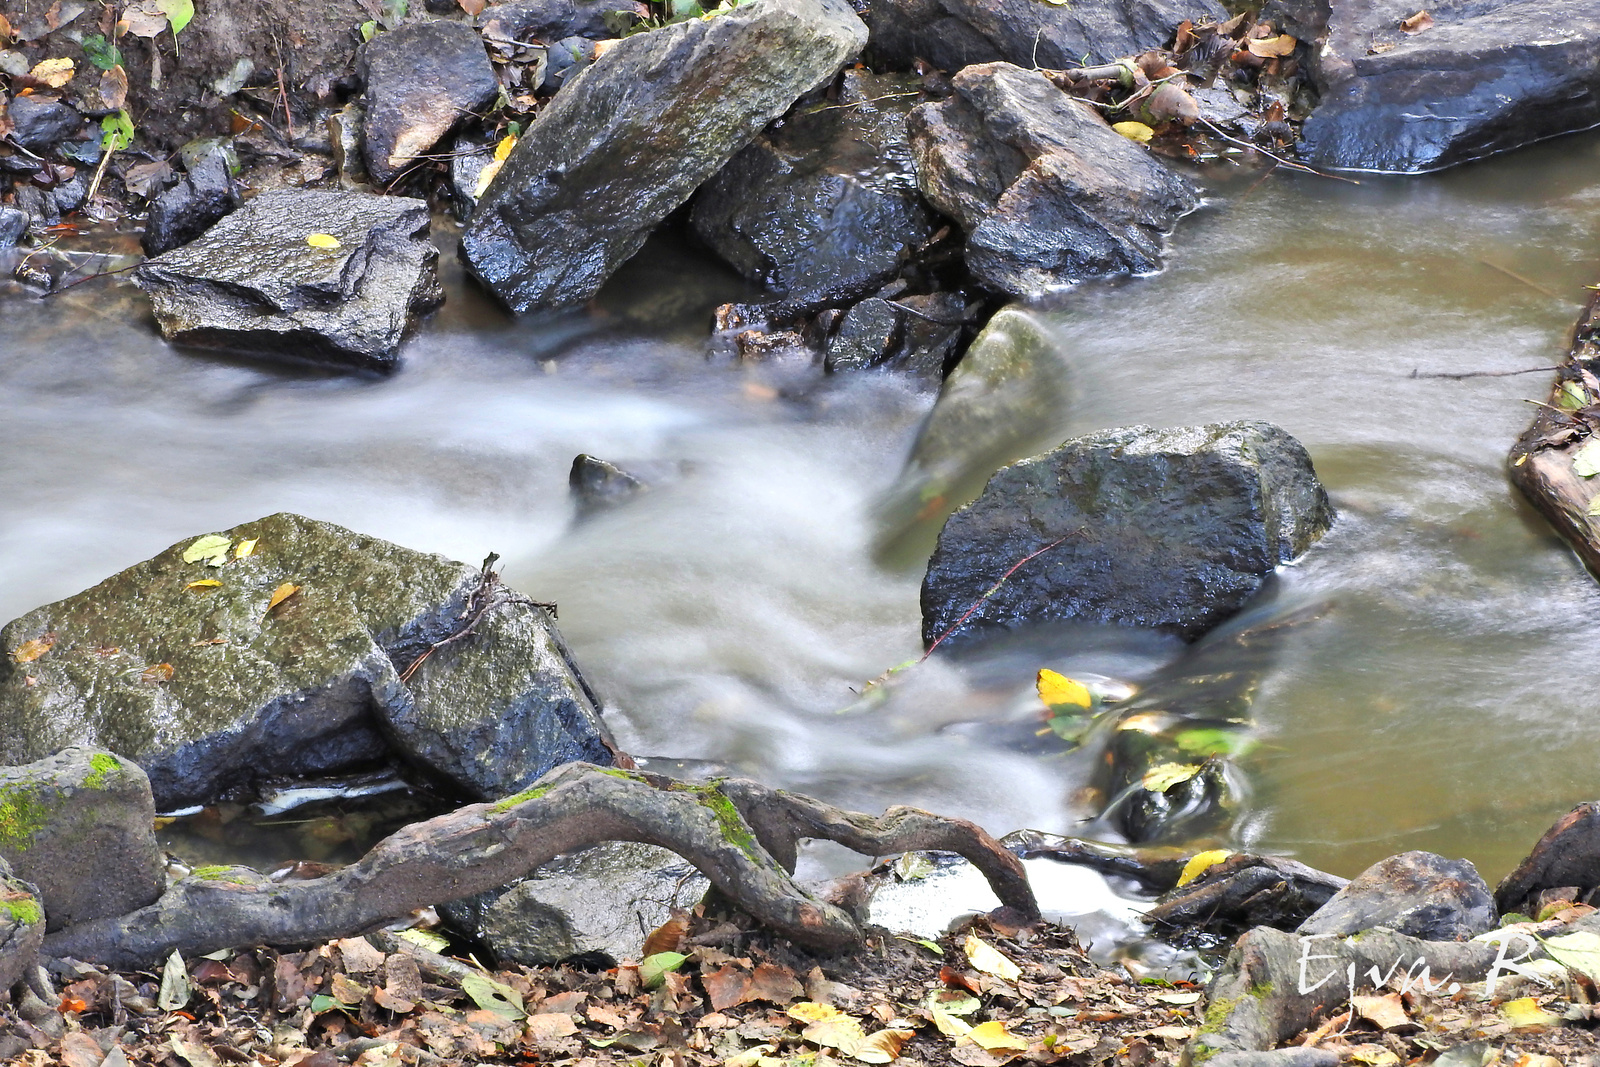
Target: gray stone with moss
column 184, row 668
column 79, row 825
column 21, row 927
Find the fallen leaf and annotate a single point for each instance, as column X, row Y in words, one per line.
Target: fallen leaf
column 1163, row 776
column 931, row 946
column 881, row 1047
column 1385, row 1011
column 549, row 1026
column 29, row 651
column 55, row 73
column 953, row 1001
column 1201, row 862
column 213, row 548
column 282, row 593
column 1524, row 1013
column 1416, row 23
column 1169, row 103
column 157, row 672
column 1578, row 951
column 143, row 18
column 1586, row 460
column 493, row 996
column 668, row 936
column 1169, row 1033
column 1374, row 1056
column 1180, row 999
column 246, row 548
column 203, row 583
column 114, row 88
column 1571, row 397
column 1594, row 505
column 842, row 1032
column 809, row 1011
column 948, row 1024
column 322, row 240
column 178, row 12
column 993, row 1036
column 1057, row 690
column 6, row 32
column 990, row 960
column 654, row 969
column 1269, row 47
column 1134, row 131
column 175, row 988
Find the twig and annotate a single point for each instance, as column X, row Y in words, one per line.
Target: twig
column 92, row 277
column 992, row 590
column 1529, row 282
column 1291, row 164
column 1480, row 373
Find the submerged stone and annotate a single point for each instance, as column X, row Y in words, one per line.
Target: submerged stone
column 597, row 485
column 422, row 80
column 213, row 687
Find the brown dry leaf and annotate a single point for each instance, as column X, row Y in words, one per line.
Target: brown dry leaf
column 603, row 1015
column 1416, row 23
column 5, row 28
column 347, row 991
column 143, row 18
column 569, row 1002
column 883, row 1046
column 145, row 179
column 668, row 936
column 549, row 1026
column 970, row 1055
column 55, row 73
column 1271, row 47
column 157, row 672
column 1185, row 38
column 282, row 593
column 291, row 988
column 730, row 985
column 473, row 7
column 1385, row 1011
column 1168, row 103
column 114, row 88
column 359, row 956
column 80, row 1050
column 29, row 651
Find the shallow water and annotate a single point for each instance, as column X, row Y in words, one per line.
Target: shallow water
column 1443, row 700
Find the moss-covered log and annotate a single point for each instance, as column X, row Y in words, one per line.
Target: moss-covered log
column 740, row 834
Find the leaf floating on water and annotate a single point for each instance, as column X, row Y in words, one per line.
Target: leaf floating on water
column 29, row 651
column 282, row 593
column 1059, row 691
column 213, row 548
column 988, row 959
column 1586, row 460
column 203, row 583
column 1208, row 741
column 246, row 548
column 1201, row 862
column 322, row 240
column 1163, row 776
column 157, row 672
column 1416, row 23
column 1134, row 131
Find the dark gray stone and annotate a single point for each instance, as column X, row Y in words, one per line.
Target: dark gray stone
column 79, row 825
column 596, row 485
column 13, row 224
column 254, row 284
column 41, row 122
column 191, row 207
column 629, row 141
column 1170, row 529
column 935, row 325
column 822, row 207
column 21, row 928
column 548, row 21
column 422, row 81
column 1045, row 190
column 207, row 689
column 601, row 901
column 952, row 34
column 1421, row 894
column 1486, row 77
column 565, row 59
column 70, row 194
column 865, row 336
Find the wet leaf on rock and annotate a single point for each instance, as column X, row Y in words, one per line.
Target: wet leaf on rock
column 1163, row 776
column 1271, row 47
column 990, row 960
column 1416, row 23
column 175, row 988
column 322, row 240
column 1059, row 691
column 213, row 548
column 29, row 651
column 1201, row 862
column 157, row 672
column 203, row 583
column 1134, row 131
column 246, row 548
column 282, row 593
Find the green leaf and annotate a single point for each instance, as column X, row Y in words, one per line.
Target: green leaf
column 1578, row 951
column 1208, row 741
column 179, row 13
column 213, row 548
column 116, row 131
column 492, row 996
column 679, row 10
column 1572, row 397
column 101, row 52
column 953, row 1001
column 1070, row 727
column 1586, row 460
column 322, row 1002
column 931, row 946
column 369, row 30
column 426, row 938
column 653, row 969
column 1163, row 776
column 175, row 987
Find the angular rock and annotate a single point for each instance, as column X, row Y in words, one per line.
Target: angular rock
column 1483, row 78
column 1243, row 892
column 1045, row 190
column 566, row 59
column 13, row 224
column 822, row 207
column 21, row 928
column 596, row 485
column 624, row 145
column 552, row 20
column 191, row 207
column 1567, row 855
column 209, row 689
column 255, row 283
column 41, row 122
column 865, row 336
column 1420, row 894
column 423, row 80
column 935, row 326
column 1170, row 529
column 78, row 825
column 601, row 901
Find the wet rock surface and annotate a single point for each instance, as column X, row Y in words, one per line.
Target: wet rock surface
column 1245, row 891
column 1482, row 78
column 78, row 826
column 259, row 282
column 185, row 211
column 623, row 146
column 209, row 689
column 1421, row 894
column 1568, row 855
column 21, row 930
column 953, row 34
column 422, row 80
column 1045, row 190
column 599, row 904
column 13, row 224
column 549, row 21
column 822, row 207
column 38, row 122
column 1168, row 529
column 597, row 485
column 865, row 336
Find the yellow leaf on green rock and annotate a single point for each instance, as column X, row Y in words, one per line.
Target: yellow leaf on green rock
column 282, row 593
column 1134, row 131
column 486, row 176
column 1057, row 690
column 203, row 583
column 322, row 240
column 29, row 651
column 246, row 548
column 990, row 960
column 1201, row 862
column 213, row 548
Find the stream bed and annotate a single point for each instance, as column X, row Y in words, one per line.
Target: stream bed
column 1442, row 697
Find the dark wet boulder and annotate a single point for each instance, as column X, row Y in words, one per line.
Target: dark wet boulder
column 566, row 59
column 596, row 485
column 79, row 826
column 192, row 206
column 865, row 336
column 822, row 207
column 39, row 122
column 1244, row 891
column 552, row 20
column 1421, row 894
column 620, row 148
column 295, row 648
column 21, row 928
column 1568, row 855
column 1170, row 529
column 13, row 224
column 326, row 277
column 952, row 34
column 422, row 80
column 1046, row 191
column 598, row 903
column 1482, row 78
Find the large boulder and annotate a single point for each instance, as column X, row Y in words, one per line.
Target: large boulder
column 1484, row 77
column 422, row 81
column 953, row 34
column 1169, row 529
column 79, row 825
column 1046, row 191
column 822, row 207
column 1566, row 858
column 315, row 651
column 1421, row 894
column 633, row 136
column 301, row 275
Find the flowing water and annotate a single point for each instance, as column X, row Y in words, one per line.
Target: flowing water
column 1443, row 698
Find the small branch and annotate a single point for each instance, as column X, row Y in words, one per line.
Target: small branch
column 1529, row 282
column 1480, row 373
column 992, row 590
column 1291, row 164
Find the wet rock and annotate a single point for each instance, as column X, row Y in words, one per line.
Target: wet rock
column 822, row 207
column 1417, row 893
column 553, row 20
column 344, row 141
column 1243, row 892
column 78, row 826
column 1484, row 78
column 21, row 928
column 191, row 207
column 652, row 119
column 1170, row 529
column 1567, row 855
column 70, row 194
column 253, row 283
column 469, row 158
column 210, row 690
column 423, row 79
column 600, row 902
column 40, row 121
column 596, row 485
column 565, row 59
column 13, row 224
column 1045, row 190
column 865, row 336
column 953, row 34
column 935, row 326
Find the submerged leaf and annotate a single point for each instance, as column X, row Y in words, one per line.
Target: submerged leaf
column 1057, row 690
column 1163, row 776
column 213, row 548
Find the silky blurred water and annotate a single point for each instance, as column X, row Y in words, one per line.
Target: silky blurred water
column 1445, row 698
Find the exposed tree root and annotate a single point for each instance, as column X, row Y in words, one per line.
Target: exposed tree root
column 740, row 834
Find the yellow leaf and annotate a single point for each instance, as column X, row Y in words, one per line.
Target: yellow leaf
column 246, row 548
column 213, row 548
column 989, row 960
column 1163, row 776
column 948, row 1024
column 282, row 593
column 29, row 651
column 203, row 583
column 1524, row 1013
column 993, row 1036
column 55, row 73
column 882, row 1047
column 1057, row 690
column 1268, row 47
column 1134, row 131
column 486, row 176
column 503, row 149
column 1386, row 1010
column 840, row 1032
column 322, row 240
column 809, row 1011
column 1374, row 1056
column 157, row 672
column 1201, row 862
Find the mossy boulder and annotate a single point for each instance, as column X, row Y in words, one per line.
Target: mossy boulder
column 79, row 825
column 282, row 656
column 21, row 927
